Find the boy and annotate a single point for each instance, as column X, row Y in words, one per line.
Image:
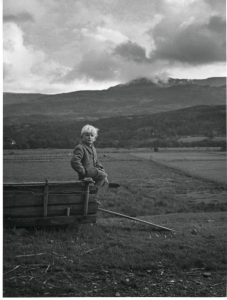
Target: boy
column 85, row 161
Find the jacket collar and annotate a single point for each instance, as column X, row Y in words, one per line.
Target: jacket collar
column 89, row 148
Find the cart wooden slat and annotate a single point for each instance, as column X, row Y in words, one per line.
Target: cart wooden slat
column 49, row 203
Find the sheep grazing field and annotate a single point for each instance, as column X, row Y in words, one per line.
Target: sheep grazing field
column 181, row 189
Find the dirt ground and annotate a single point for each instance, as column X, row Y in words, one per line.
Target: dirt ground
column 116, row 257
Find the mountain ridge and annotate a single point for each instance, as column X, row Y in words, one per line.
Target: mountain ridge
column 136, row 97
column 210, row 81
column 163, row 83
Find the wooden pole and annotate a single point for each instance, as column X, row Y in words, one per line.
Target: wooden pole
column 86, row 198
column 134, row 219
column 67, row 211
column 45, row 199
column 87, row 181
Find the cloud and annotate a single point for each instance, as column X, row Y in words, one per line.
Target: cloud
column 192, row 43
column 26, row 8
column 22, row 17
column 25, row 67
column 104, row 34
column 98, row 65
column 7, row 70
column 218, row 25
column 217, row 7
column 54, row 45
column 131, row 51
column 107, row 66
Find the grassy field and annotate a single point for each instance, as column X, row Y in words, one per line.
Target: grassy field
column 210, row 165
column 118, row 257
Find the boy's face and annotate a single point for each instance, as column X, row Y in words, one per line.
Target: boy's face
column 88, row 138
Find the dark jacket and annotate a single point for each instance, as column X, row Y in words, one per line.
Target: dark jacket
column 85, row 161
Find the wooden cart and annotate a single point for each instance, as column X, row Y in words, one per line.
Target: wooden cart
column 52, row 203
column 49, row 203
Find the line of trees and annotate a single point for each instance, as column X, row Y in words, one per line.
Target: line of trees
column 162, row 129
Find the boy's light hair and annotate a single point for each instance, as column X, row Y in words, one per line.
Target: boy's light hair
column 90, row 129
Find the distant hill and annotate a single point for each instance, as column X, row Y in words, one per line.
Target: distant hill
column 145, row 82
column 140, row 96
column 215, row 81
column 212, row 82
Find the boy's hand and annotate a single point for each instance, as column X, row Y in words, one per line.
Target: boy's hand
column 88, row 179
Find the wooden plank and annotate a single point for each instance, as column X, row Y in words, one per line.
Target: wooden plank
column 66, row 188
column 68, row 199
column 52, row 210
column 74, row 209
column 70, row 188
column 49, row 221
column 12, row 199
column 21, row 189
column 42, row 183
column 23, row 184
column 61, row 188
column 66, row 183
column 45, row 198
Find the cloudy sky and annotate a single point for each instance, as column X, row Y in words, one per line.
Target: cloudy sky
column 54, row 46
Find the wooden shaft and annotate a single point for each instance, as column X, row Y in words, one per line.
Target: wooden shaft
column 68, row 211
column 86, row 198
column 45, row 199
column 134, row 219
